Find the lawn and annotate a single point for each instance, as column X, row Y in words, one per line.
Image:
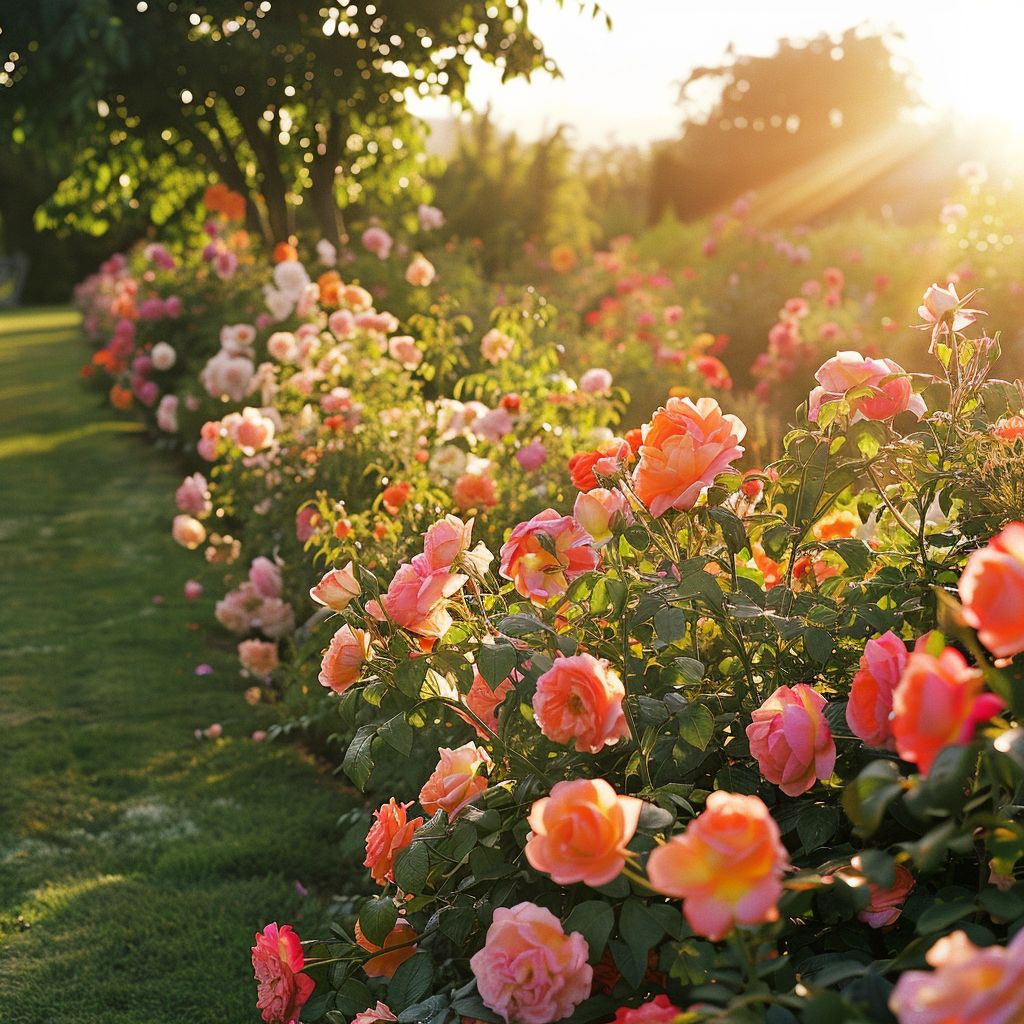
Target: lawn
column 135, row 861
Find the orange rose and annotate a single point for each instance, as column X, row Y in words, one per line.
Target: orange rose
column 285, row 252
column 836, row 526
column 992, row 591
column 1009, row 428
column 331, row 285
column 563, row 258
column 456, row 780
column 938, row 702
column 120, row 398
column 870, row 704
column 579, row 700
column 385, row 965
column 686, row 445
column 474, row 491
column 390, row 833
column 580, row 832
column 727, row 866
column 608, row 459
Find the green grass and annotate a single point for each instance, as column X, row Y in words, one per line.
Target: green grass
column 135, row 861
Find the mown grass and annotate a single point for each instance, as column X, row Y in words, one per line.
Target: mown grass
column 135, row 861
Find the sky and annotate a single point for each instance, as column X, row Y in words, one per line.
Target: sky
column 622, row 85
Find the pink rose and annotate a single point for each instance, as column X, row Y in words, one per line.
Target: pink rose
column 274, row 617
column 188, row 532
column 283, row 347
column 870, row 704
column 529, row 971
column 658, row 1011
column 887, row 386
column 596, row 381
column 405, row 351
column 596, row 511
column 983, row 985
column 456, row 781
column 992, row 591
column 430, row 217
column 277, row 961
column 532, row 456
column 420, row 271
column 416, row 600
column 791, row 739
column 258, row 657
column 251, row 430
column 943, row 305
column 337, row 588
column 167, row 414
column 163, row 356
column 887, row 904
column 445, row 541
column 265, row 576
column 380, row 1012
column 579, row 700
column 377, row 241
column 193, row 589
column 193, row 495
column 342, row 324
column 545, row 554
column 343, row 660
column 496, row 346
column 227, row 376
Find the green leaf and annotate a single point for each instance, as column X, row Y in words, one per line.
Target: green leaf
column 638, row 927
column 495, row 662
column 410, row 982
column 819, row 644
column 696, row 725
column 637, row 537
column 376, row 919
column 816, row 826
column 867, row 796
column 732, row 529
column 939, row 916
column 411, row 866
column 594, row 920
column 352, row 996
column 684, row 672
column 631, row 962
column 608, row 598
column 521, row 625
column 409, row 676
column 397, row 734
column 670, row 624
column 358, row 762
column 879, row 868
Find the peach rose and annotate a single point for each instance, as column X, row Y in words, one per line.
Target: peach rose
column 405, row 351
column 380, row 1012
column 252, row 431
column 529, row 971
column 886, row 388
column 685, row 446
column 188, row 532
column 983, row 985
column 543, row 568
column 390, row 833
column 456, row 781
column 343, row 660
column 420, row 271
column 992, row 591
column 484, row 702
column 791, row 739
column 938, row 702
column 385, row 965
column 445, row 541
column 727, row 866
column 417, row 600
column 258, row 657
column 596, row 511
column 579, row 699
column 337, row 588
column 580, row 832
column 277, row 962
column 870, row 704
column 496, row 346
column 474, row 491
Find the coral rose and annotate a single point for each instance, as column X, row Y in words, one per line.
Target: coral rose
column 416, row 600
column 545, row 554
column 608, row 458
column 938, row 702
column 870, row 703
column 445, row 541
column 473, row 491
column 580, row 832
column 887, row 904
column 337, row 588
column 992, row 591
column 658, row 1011
column 343, row 660
column 484, row 702
column 875, row 389
column 579, row 700
column 982, row 985
column 390, row 833
column 385, row 964
column 727, row 866
column 456, row 781
column 529, row 971
column 685, row 446
column 277, row 961
column 791, row 739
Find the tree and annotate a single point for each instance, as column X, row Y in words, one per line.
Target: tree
column 833, row 105
column 291, row 103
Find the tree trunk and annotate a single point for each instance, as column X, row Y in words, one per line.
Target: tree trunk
column 325, row 202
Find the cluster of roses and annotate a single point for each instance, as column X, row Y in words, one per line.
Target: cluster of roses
column 728, row 865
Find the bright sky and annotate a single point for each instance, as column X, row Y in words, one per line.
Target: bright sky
column 622, row 85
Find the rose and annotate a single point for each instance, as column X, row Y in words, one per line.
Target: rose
column 874, row 389
column 377, row 241
column 529, row 971
column 943, row 305
column 596, row 381
column 420, row 271
column 193, row 496
column 597, row 510
column 258, row 657
column 445, row 541
column 727, row 866
column 188, row 532
column 886, row 904
column 791, row 739
column 545, row 554
column 390, row 833
column 983, row 985
column 658, row 1011
column 291, row 279
column 404, row 351
column 937, row 703
column 343, row 660
column 274, row 617
column 579, row 700
column 227, row 376
column 163, row 356
column 167, row 414
column 474, row 491
column 381, row 1012
column 277, row 962
column 685, row 446
column 283, row 347
column 496, row 346
column 992, row 591
column 337, row 588
column 265, row 576
column 532, row 456
column 870, row 704
column 415, row 599
column 385, row 965
column 430, row 217
column 607, row 459
column 456, row 781
column 580, row 832
column 484, row 702
column 250, row 430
